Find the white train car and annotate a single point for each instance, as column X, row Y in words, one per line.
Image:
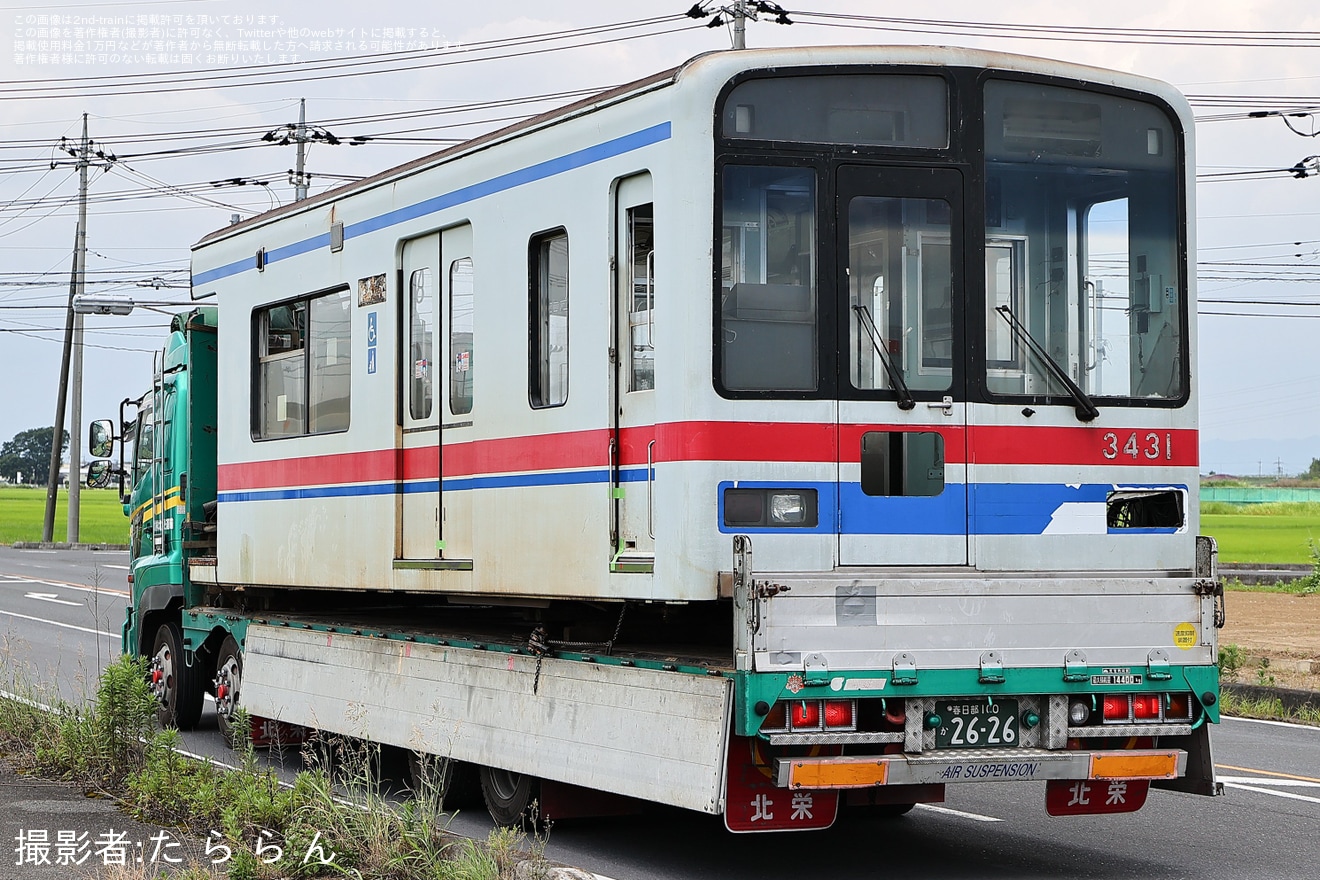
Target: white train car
column 913, row 322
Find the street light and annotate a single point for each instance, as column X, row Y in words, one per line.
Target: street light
column 111, row 304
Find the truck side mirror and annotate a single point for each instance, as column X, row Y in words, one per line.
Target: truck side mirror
column 99, row 473
column 100, row 438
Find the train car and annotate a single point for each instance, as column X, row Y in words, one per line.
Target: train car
column 914, row 323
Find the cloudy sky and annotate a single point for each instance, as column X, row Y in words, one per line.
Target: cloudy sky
column 181, row 91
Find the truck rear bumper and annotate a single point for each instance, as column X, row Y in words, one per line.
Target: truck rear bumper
column 978, row 765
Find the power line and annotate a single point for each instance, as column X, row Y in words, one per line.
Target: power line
column 309, row 71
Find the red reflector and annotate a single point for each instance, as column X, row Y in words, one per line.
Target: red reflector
column 838, row 713
column 1146, row 706
column 804, row 714
column 1116, row 707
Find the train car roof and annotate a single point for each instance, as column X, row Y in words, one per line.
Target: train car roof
column 729, row 63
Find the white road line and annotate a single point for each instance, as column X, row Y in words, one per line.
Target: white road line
column 68, row 586
column 1309, row 727
column 1256, row 780
column 945, row 811
column 95, row 632
column 1282, row 794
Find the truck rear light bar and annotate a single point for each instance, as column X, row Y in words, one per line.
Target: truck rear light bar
column 1147, row 708
column 811, row 716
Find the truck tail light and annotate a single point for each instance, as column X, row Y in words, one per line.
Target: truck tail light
column 776, row 719
column 804, row 715
column 1146, row 707
column 1178, row 707
column 1117, row 707
column 840, row 715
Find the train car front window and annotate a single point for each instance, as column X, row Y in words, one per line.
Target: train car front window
column 768, row 302
column 1083, row 207
column 900, row 292
column 886, row 110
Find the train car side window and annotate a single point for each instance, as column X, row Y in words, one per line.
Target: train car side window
column 460, row 336
column 548, row 324
column 281, row 371
column 329, row 359
column 421, row 343
column 641, row 318
column 767, row 288
column 302, row 369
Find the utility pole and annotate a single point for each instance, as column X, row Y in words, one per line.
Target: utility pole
column 740, row 24
column 738, row 12
column 301, row 134
column 73, row 329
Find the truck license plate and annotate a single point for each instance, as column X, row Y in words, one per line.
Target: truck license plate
column 976, row 724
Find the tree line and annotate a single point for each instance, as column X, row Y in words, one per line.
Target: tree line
column 26, row 458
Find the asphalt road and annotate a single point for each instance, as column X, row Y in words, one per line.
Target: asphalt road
column 60, row 614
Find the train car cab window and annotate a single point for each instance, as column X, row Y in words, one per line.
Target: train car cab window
column 548, row 313
column 302, row 367
column 768, row 302
column 460, row 336
column 1083, row 206
column 868, row 109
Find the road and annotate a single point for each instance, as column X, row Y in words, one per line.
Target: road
column 60, row 614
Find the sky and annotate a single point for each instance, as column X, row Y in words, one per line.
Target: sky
column 180, row 92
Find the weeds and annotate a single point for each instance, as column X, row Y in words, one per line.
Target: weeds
column 1231, row 658
column 334, row 820
column 1268, row 708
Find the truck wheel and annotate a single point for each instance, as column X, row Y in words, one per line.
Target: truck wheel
column 179, row 688
column 508, row 795
column 228, row 678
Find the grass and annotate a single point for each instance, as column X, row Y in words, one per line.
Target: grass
column 1262, row 532
column 23, row 510
column 333, row 820
column 1269, row 708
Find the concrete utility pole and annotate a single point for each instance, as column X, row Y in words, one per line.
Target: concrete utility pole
column 740, row 24
column 301, row 134
column 73, row 342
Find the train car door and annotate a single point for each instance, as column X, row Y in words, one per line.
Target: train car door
column 437, row 371
column 902, row 416
column 457, row 289
column 419, row 463
column 633, row 445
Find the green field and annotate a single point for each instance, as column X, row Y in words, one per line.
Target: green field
column 1262, row 532
column 22, row 510
column 1246, row 533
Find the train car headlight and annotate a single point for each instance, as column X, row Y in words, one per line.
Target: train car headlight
column 773, row 508
column 788, row 508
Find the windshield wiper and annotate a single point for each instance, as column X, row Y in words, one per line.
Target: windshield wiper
column 864, row 320
column 1086, row 409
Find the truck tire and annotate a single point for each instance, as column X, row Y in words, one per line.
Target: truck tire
column 509, row 796
column 179, row 688
column 228, row 678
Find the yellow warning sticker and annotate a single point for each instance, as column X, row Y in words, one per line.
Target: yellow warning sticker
column 1184, row 636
